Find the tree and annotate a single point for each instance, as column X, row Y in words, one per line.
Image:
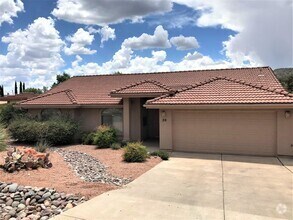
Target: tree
column 15, row 88
column 34, row 90
column 61, row 78
column 290, row 83
column 23, row 86
column 1, row 91
column 20, row 87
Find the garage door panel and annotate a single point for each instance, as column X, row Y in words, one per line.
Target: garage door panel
column 227, row 132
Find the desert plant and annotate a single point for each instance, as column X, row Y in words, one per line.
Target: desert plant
column 3, row 138
column 42, row 146
column 115, row 146
column 8, row 113
column 135, row 152
column 88, row 138
column 105, row 136
column 162, row 154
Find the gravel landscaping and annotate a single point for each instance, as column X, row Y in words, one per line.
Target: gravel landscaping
column 89, row 168
column 28, row 203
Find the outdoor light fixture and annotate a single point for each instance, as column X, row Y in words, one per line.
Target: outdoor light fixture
column 287, row 114
column 163, row 113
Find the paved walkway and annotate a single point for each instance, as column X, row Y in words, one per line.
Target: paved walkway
column 200, row 186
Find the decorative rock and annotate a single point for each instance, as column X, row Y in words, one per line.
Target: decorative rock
column 92, row 170
column 13, row 188
column 28, row 203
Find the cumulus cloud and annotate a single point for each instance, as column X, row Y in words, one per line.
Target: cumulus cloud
column 264, row 29
column 104, row 12
column 79, row 40
column 145, row 41
column 106, row 33
column 184, row 43
column 9, row 9
column 32, row 52
column 77, row 60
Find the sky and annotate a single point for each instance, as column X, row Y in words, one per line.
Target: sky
column 42, row 38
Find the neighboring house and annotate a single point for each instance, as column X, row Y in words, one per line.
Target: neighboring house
column 17, row 97
column 238, row 111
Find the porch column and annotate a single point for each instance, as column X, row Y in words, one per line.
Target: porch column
column 126, row 119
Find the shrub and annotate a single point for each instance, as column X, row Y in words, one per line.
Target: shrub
column 42, row 146
column 8, row 113
column 55, row 132
column 105, row 137
column 135, row 152
column 88, row 138
column 3, row 139
column 115, row 146
column 162, row 154
column 123, row 143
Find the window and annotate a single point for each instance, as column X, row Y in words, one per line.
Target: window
column 114, row 118
column 50, row 113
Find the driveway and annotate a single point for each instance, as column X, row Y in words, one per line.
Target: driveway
column 200, row 186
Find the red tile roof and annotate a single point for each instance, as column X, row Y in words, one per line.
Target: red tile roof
column 65, row 97
column 224, row 90
column 142, row 87
column 18, row 97
column 96, row 90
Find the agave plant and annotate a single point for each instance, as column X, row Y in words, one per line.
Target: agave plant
column 3, row 139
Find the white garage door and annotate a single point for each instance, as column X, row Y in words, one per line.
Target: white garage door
column 225, row 132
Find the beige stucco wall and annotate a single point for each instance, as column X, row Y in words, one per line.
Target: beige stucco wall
column 135, row 119
column 284, row 131
column 88, row 118
column 166, row 129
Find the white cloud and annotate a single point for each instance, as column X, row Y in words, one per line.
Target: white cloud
column 9, row 9
column 145, row 41
column 106, row 33
column 264, row 29
column 32, row 53
column 79, row 40
column 104, row 12
column 184, row 43
column 193, row 56
column 77, row 60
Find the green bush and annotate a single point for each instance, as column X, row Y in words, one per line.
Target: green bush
column 115, row 146
column 123, row 143
column 42, row 146
column 55, row 132
column 88, row 138
column 105, row 137
column 135, row 152
column 162, row 154
column 3, row 138
column 8, row 113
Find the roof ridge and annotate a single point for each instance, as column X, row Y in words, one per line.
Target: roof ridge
column 71, row 96
column 213, row 79
column 177, row 71
column 154, row 82
column 44, row 95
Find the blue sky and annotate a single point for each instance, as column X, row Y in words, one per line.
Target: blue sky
column 40, row 39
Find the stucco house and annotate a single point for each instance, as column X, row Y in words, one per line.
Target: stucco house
column 238, row 111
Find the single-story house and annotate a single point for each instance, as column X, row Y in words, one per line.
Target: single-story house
column 17, row 97
column 237, row 111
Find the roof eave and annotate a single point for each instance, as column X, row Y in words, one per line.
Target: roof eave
column 220, row 106
column 137, row 95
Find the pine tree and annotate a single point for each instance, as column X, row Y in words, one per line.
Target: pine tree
column 20, row 87
column 15, row 88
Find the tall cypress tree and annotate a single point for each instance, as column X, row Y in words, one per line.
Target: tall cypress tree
column 23, row 87
column 15, row 88
column 1, row 91
column 20, row 87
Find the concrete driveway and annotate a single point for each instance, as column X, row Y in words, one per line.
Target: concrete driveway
column 200, row 186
